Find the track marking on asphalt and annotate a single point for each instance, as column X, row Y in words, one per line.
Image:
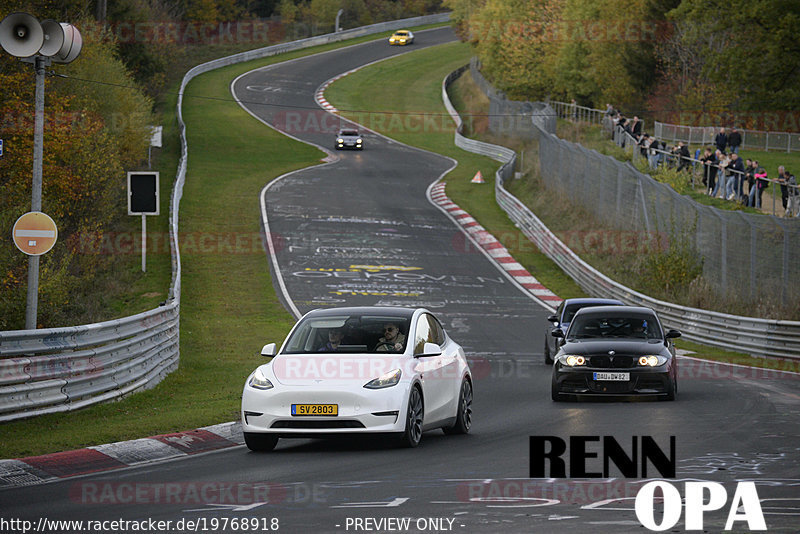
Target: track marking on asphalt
column 491, row 247
column 217, row 507
column 394, row 503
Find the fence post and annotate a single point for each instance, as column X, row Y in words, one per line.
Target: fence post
column 753, row 248
column 723, row 251
column 785, row 274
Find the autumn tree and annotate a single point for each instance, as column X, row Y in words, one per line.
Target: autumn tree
column 737, row 55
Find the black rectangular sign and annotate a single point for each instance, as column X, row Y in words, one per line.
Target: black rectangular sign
column 143, row 193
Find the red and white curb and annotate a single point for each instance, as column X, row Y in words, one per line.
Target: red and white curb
column 319, row 95
column 493, row 247
column 49, row 467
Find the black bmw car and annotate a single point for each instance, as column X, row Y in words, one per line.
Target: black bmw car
column 564, row 313
column 615, row 350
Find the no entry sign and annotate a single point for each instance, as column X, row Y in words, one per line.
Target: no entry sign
column 35, row 233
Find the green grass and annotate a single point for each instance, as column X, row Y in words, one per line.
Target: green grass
column 411, row 104
column 229, row 309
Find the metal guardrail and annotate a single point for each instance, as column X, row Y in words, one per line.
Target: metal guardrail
column 759, row 337
column 62, row 369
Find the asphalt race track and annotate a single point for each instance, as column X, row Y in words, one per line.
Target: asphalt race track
column 361, row 231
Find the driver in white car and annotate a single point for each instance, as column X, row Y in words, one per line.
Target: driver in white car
column 392, row 340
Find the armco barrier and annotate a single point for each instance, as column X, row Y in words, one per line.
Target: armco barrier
column 759, row 337
column 62, row 369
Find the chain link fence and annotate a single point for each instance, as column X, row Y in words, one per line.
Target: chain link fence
column 511, row 117
column 749, row 254
column 751, row 139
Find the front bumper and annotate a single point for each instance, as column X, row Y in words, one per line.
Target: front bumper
column 370, row 411
column 347, row 144
column 652, row 381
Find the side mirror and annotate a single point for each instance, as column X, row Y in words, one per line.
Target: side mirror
column 269, row 350
column 429, row 349
column 557, row 332
column 673, row 334
column 553, row 318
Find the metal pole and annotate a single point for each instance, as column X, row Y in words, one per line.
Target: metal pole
column 338, row 16
column 144, row 243
column 32, row 303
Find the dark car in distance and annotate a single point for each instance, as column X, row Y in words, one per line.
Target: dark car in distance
column 564, row 313
column 618, row 351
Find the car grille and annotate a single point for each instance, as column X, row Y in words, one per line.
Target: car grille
column 613, row 362
column 304, row 424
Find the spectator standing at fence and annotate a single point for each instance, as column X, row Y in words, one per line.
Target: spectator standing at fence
column 750, row 180
column 793, row 206
column 710, row 162
column 636, row 127
column 734, row 140
column 684, row 158
column 783, row 178
column 722, row 174
column 736, row 169
column 610, row 111
column 652, row 152
column 644, row 143
column 573, row 108
column 721, row 140
column 761, row 183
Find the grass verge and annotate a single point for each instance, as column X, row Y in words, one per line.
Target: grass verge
column 229, row 308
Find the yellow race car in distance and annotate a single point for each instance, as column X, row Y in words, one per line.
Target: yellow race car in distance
column 401, row 37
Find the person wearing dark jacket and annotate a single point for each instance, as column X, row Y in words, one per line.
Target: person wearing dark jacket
column 734, row 140
column 683, row 156
column 721, row 140
column 709, row 161
column 636, row 127
column 736, row 181
column 783, row 179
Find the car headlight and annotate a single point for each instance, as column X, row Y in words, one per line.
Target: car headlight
column 259, row 381
column 384, row 381
column 340, row 140
column 358, row 141
column 652, row 360
column 572, row 359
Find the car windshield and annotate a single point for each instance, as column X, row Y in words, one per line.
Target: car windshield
column 572, row 309
column 348, row 132
column 617, row 326
column 349, row 334
column 401, row 34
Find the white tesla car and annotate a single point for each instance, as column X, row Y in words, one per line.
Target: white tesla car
column 355, row 370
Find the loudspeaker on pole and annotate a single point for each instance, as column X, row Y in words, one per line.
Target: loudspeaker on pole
column 53, row 38
column 21, row 35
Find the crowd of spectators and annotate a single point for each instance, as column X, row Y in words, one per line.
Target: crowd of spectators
column 722, row 171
